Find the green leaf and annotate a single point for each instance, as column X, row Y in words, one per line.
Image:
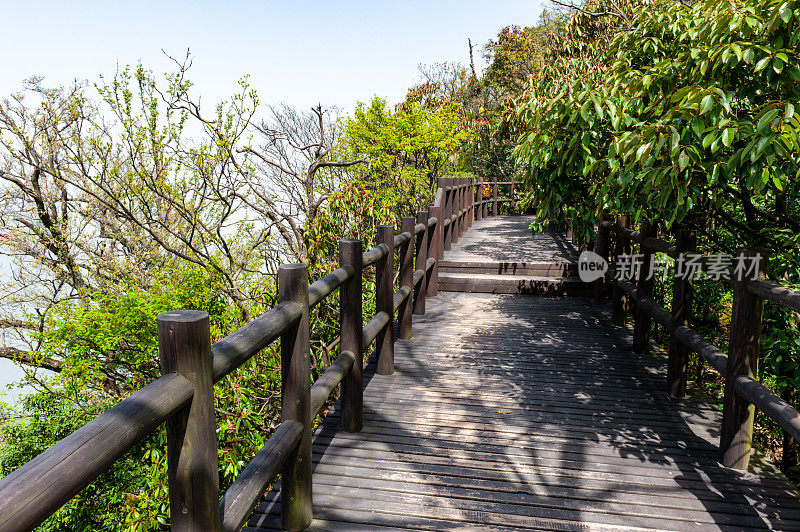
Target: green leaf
column 709, row 138
column 713, row 177
column 767, row 119
column 727, row 136
column 683, row 160
column 761, row 65
column 706, row 104
column 785, row 12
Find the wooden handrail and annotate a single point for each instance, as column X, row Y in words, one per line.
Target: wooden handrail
column 31, row 493
column 246, row 492
column 375, row 254
column 238, row 347
column 738, row 367
column 782, row 295
column 325, row 384
column 322, row 288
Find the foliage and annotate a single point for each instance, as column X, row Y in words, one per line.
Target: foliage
column 689, row 114
column 408, row 148
column 685, row 114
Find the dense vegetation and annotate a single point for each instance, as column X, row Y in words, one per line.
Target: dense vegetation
column 683, row 113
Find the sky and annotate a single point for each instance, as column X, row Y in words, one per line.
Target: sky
column 301, row 53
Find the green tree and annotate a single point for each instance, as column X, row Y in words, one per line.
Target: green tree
column 407, row 149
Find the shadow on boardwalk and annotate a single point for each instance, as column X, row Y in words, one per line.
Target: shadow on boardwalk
column 509, row 412
column 509, row 239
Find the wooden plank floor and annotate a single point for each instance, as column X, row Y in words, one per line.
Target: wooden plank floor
column 518, row 412
column 512, row 412
column 508, row 239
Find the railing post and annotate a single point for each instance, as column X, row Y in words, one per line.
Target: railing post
column 297, row 512
column 485, row 204
column 474, row 214
column 641, row 327
column 459, row 207
column 494, row 196
column 619, row 299
column 479, row 201
column 511, row 194
column 681, row 313
column 468, row 197
column 351, row 324
column 465, row 203
column 601, row 248
column 435, row 247
column 184, row 346
column 422, row 244
column 462, row 218
column 384, row 302
column 454, row 208
column 446, row 213
column 406, row 278
column 737, row 413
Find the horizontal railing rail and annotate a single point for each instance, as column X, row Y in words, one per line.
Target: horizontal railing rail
column 183, row 397
column 738, row 368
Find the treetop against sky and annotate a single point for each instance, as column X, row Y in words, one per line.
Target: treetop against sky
column 296, row 52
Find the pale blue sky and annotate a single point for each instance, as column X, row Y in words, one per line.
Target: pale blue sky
column 298, row 52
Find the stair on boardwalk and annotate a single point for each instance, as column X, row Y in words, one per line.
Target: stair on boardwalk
column 488, row 283
column 499, row 255
column 545, row 269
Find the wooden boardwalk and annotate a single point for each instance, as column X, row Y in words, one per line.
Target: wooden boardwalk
column 499, row 255
column 508, row 239
column 511, row 412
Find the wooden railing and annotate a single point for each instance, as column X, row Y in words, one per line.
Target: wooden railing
column 490, row 203
column 183, row 397
column 738, row 368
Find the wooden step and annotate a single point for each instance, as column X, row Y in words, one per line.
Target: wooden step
column 545, row 269
column 513, row 284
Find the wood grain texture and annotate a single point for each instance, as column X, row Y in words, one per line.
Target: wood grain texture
column 743, row 350
column 351, row 322
column 296, row 488
column 245, row 493
column 421, row 246
column 406, row 260
column 620, row 302
column 682, row 291
column 184, row 346
column 644, row 285
column 602, row 241
column 384, row 302
column 34, row 491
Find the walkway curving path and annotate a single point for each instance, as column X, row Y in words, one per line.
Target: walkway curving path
column 510, row 412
